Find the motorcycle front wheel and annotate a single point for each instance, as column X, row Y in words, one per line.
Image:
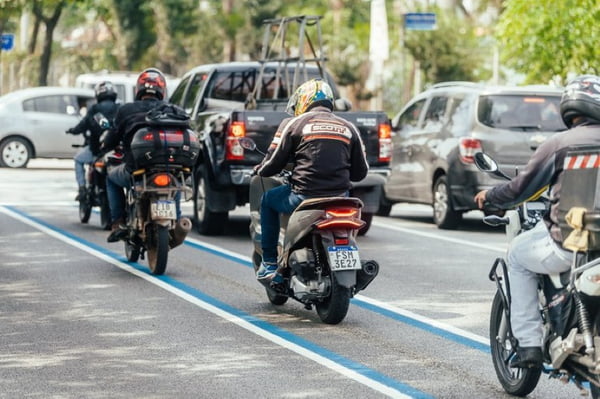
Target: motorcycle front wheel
column 274, row 297
column 158, row 249
column 334, row 309
column 104, row 211
column 518, row 382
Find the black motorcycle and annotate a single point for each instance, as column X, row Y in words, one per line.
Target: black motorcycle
column 568, row 302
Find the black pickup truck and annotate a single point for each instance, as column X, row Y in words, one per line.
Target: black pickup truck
column 219, row 100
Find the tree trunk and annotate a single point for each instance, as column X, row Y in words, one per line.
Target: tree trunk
column 34, row 34
column 118, row 33
column 50, row 24
column 164, row 45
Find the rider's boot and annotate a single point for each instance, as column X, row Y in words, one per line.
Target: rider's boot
column 118, row 231
column 80, row 193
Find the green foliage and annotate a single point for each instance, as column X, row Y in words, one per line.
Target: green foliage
column 546, row 39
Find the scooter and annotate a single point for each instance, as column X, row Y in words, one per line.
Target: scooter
column 568, row 301
column 318, row 258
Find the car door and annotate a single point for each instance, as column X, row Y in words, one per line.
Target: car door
column 400, row 184
column 48, row 117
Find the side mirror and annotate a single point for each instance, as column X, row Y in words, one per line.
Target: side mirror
column 487, row 164
column 342, row 104
column 247, row 143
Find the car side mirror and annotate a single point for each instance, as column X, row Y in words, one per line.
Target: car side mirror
column 342, row 104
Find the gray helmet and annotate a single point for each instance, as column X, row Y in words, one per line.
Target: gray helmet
column 581, row 98
column 105, row 90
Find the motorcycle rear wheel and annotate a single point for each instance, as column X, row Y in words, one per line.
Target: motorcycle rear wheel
column 518, row 382
column 158, row 249
column 85, row 210
column 334, row 309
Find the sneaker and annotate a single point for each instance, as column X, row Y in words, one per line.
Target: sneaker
column 527, row 358
column 118, row 231
column 266, row 271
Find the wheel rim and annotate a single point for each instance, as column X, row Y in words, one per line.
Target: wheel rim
column 200, row 200
column 15, row 154
column 440, row 202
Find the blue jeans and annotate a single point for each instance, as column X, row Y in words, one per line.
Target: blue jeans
column 118, row 178
column 277, row 200
column 82, row 157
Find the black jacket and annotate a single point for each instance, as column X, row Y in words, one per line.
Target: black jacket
column 545, row 170
column 106, row 108
column 326, row 151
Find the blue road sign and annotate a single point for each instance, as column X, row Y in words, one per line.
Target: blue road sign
column 419, row 21
column 8, row 41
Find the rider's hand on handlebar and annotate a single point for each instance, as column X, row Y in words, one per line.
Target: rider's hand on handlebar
column 480, row 198
column 70, row 131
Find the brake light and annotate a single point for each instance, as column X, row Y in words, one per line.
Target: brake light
column 467, row 148
column 233, row 149
column 385, row 142
column 341, row 219
column 342, row 241
column 99, row 164
column 161, row 180
column 169, row 136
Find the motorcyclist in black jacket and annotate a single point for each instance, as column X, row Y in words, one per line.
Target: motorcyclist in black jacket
column 151, row 89
column 540, row 250
column 97, row 119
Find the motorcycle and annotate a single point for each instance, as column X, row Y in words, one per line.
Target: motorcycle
column 568, row 302
column 165, row 152
column 318, row 255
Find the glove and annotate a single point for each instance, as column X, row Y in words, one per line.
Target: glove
column 71, row 131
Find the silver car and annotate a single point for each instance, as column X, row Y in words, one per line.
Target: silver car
column 436, row 134
column 34, row 122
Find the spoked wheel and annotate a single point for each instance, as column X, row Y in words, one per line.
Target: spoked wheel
column 132, row 251
column 444, row 216
column 158, row 249
column 518, row 382
column 274, row 297
column 334, row 309
column 104, row 211
column 85, row 209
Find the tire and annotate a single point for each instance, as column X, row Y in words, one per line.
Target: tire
column 158, row 249
column 207, row 222
column 15, row 152
column 104, row 211
column 274, row 297
column 334, row 309
column 443, row 215
column 367, row 218
column 85, row 209
column 385, row 208
column 518, row 382
column 595, row 391
column 132, row 252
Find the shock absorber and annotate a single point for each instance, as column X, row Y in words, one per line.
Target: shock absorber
column 584, row 326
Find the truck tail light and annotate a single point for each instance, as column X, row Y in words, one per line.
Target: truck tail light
column 467, row 148
column 385, row 142
column 233, row 150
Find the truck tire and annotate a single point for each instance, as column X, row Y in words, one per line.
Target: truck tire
column 207, row 222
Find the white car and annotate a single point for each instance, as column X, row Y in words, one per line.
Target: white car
column 34, row 122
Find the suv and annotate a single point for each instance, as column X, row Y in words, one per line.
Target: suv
column 436, row 134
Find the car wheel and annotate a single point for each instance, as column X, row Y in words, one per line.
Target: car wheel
column 207, row 222
column 15, row 152
column 444, row 216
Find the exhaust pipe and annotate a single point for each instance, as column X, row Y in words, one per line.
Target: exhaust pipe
column 182, row 228
column 364, row 276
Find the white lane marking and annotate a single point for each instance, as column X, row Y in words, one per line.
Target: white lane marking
column 322, row 360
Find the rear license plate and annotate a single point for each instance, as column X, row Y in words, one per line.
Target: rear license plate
column 162, row 210
column 344, row 258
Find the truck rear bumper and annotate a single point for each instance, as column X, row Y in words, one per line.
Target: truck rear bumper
column 240, row 175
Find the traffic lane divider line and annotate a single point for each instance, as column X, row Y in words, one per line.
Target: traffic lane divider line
column 333, row 361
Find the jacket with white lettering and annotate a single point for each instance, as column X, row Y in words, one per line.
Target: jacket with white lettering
column 326, row 151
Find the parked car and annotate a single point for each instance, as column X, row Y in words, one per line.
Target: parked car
column 123, row 81
column 34, row 122
column 436, row 134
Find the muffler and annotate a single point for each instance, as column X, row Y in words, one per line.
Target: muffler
column 364, row 276
column 181, row 230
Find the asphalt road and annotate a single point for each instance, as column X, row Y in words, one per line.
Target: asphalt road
column 78, row 321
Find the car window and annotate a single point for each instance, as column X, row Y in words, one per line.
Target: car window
column 458, row 116
column 196, row 86
column 410, row 117
column 521, row 112
column 177, row 96
column 435, row 117
column 57, row 104
column 233, row 86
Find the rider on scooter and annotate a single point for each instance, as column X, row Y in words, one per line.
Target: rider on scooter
column 327, row 155
column 97, row 119
column 540, row 250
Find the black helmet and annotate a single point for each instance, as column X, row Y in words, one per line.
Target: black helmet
column 105, row 91
column 581, row 98
column 151, row 81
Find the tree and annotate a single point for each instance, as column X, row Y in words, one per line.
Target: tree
column 546, row 39
column 48, row 12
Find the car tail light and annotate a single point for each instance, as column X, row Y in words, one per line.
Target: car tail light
column 467, row 148
column 341, row 218
column 385, row 142
column 233, row 149
column 161, row 180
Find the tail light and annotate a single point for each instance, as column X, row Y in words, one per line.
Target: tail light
column 161, row 180
column 168, row 136
column 341, row 218
column 233, row 150
column 467, row 148
column 385, row 142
